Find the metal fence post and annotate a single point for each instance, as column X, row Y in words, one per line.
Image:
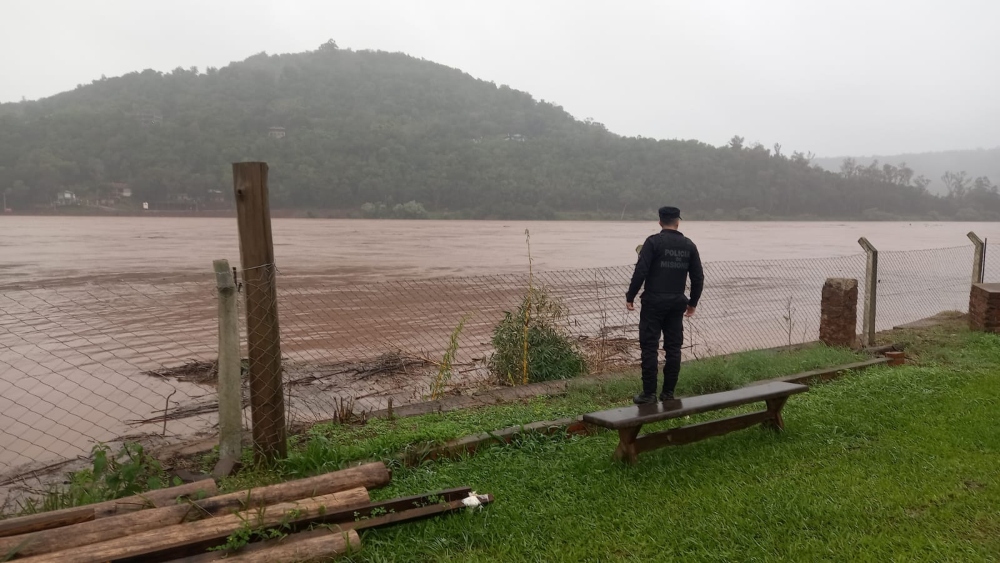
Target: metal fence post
column 871, row 285
column 230, row 394
column 978, row 257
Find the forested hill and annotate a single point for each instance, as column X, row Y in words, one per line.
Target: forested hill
column 385, row 134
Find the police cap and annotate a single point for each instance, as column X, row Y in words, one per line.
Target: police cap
column 669, row 214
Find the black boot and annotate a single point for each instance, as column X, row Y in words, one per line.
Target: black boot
column 644, row 399
column 666, row 396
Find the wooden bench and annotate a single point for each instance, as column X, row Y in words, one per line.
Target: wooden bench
column 629, row 420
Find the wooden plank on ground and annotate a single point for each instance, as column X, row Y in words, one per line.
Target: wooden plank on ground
column 825, row 374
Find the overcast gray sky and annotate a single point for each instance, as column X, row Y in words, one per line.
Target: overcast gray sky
column 834, row 77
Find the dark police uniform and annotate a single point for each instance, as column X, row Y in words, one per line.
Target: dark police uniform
column 665, row 262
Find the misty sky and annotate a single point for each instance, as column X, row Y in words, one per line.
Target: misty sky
column 832, row 77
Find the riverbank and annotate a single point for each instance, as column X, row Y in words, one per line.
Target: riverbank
column 470, row 215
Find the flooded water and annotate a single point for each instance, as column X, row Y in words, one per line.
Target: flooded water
column 68, row 249
column 89, row 305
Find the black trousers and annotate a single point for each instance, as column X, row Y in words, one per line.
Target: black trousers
column 661, row 315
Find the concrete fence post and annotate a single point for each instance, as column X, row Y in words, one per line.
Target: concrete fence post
column 978, row 258
column 230, row 384
column 871, row 290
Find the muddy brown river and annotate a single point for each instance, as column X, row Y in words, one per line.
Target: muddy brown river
column 59, row 248
column 88, row 305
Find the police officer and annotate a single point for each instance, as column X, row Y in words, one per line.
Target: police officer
column 665, row 262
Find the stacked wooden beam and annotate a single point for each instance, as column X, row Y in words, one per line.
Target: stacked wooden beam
column 317, row 517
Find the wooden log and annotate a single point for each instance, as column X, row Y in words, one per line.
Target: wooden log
column 45, row 521
column 160, row 497
column 48, row 541
column 67, row 516
column 361, row 517
column 316, row 547
column 371, row 475
column 155, row 544
column 196, row 553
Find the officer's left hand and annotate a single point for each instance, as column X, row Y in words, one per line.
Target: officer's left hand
column 630, row 306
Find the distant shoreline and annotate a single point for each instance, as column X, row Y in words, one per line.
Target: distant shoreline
column 454, row 216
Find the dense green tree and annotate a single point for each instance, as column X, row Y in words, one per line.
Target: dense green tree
column 408, row 137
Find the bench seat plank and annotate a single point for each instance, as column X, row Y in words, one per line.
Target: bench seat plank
column 638, row 415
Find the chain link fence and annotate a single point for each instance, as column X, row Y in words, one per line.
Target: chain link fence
column 108, row 362
column 991, row 266
column 914, row 285
column 99, row 362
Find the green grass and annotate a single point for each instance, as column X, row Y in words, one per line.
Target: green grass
column 891, row 464
column 328, row 447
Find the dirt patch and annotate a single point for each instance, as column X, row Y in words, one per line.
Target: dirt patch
column 944, row 318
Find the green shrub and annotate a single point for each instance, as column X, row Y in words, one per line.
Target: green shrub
column 551, row 354
column 128, row 472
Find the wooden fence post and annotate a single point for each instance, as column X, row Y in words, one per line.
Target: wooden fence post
column 871, row 290
column 230, row 392
column 978, row 257
column 267, row 405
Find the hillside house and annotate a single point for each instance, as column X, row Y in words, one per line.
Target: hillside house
column 120, row 190
column 215, row 196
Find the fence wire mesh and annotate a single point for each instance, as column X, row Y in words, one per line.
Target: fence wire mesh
column 264, row 361
column 914, row 285
column 99, row 362
column 137, row 360
column 991, row 266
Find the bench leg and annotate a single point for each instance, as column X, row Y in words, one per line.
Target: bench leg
column 774, row 407
column 626, row 445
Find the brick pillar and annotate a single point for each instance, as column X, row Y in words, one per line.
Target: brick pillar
column 838, row 325
column 984, row 307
